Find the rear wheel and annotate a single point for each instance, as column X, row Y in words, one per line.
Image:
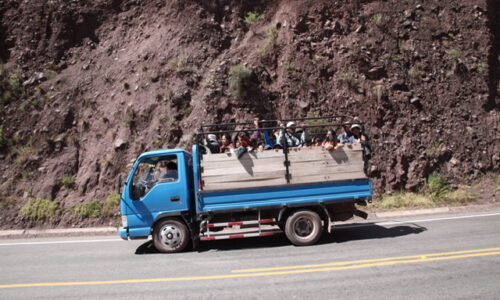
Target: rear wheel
column 303, row 228
column 170, row 236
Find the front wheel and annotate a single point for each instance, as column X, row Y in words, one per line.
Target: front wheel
column 303, row 228
column 170, row 236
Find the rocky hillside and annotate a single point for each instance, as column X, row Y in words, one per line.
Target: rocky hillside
column 86, row 86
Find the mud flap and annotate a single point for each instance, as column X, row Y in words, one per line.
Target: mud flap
column 360, row 214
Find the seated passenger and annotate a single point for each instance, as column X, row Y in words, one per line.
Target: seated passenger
column 346, row 137
column 226, row 144
column 330, row 141
column 243, row 144
column 291, row 137
column 256, row 135
column 212, row 143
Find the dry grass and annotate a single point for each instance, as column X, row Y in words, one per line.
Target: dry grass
column 404, row 200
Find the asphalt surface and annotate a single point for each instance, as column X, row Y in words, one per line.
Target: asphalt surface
column 448, row 256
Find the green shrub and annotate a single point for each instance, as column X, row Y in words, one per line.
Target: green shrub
column 253, row 17
column 39, row 210
column 437, row 185
column 68, row 180
column 239, row 80
column 111, row 204
column 91, row 209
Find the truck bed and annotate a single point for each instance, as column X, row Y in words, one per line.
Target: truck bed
column 258, row 179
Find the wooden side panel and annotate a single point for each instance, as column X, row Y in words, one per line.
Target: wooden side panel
column 316, row 165
column 257, row 169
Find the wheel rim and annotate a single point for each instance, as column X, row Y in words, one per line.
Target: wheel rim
column 170, row 235
column 303, row 227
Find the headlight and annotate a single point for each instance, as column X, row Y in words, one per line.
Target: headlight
column 124, row 221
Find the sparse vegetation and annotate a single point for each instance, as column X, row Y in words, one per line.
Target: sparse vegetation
column 68, row 180
column 186, row 111
column 131, row 119
column 482, row 67
column 434, row 150
column 402, row 200
column 454, row 54
column 181, row 64
column 350, row 79
column 39, row 210
column 10, row 85
column 378, row 18
column 3, row 140
column 290, row 66
column 413, row 73
column 272, row 36
column 253, row 17
column 90, row 209
column 436, row 185
column 111, row 204
column 25, row 154
column 157, row 144
column 239, row 80
column 379, row 91
column 315, row 131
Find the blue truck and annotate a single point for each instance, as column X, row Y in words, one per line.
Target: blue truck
column 181, row 198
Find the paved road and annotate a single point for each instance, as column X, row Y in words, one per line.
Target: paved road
column 435, row 257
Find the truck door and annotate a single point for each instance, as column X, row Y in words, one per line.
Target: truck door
column 159, row 185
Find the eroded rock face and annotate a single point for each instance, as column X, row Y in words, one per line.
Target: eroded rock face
column 85, row 88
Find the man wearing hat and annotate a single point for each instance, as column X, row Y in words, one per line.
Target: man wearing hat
column 346, row 137
column 291, row 137
column 212, row 143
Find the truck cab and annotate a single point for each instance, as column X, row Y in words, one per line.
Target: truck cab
column 160, row 184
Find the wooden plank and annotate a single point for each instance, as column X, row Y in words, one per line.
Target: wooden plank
column 213, row 171
column 326, row 170
column 318, row 153
column 248, row 155
column 245, row 164
column 328, row 178
column 244, row 177
column 322, row 163
column 245, row 185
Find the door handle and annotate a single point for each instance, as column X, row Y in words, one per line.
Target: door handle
column 175, row 198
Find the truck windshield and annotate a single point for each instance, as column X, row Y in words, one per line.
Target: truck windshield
column 153, row 171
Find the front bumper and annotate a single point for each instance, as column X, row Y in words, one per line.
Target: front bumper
column 123, row 232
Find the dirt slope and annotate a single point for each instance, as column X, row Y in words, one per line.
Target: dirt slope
column 86, row 86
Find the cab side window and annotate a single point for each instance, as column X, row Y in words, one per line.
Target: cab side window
column 153, row 171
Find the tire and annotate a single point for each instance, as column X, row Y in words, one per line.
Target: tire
column 303, row 228
column 170, row 236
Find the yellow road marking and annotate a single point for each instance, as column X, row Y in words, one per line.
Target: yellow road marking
column 394, row 261
column 421, row 256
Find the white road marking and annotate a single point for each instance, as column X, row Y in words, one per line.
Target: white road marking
column 59, row 242
column 386, row 223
